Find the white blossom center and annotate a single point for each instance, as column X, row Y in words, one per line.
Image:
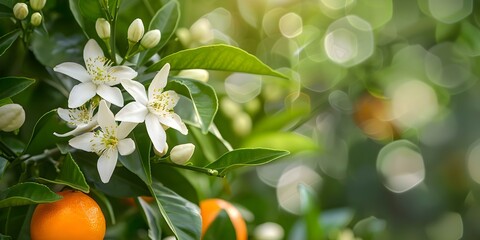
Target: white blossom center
column 99, row 69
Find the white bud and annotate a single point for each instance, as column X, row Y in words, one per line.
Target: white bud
column 184, row 36
column 180, row 154
column 269, row 231
column 37, row 5
column 242, row 124
column 102, row 26
column 36, row 19
column 12, row 117
column 151, row 39
column 20, row 10
column 135, row 31
column 163, row 152
column 202, row 31
column 197, row 74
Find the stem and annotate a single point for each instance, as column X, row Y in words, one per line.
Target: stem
column 7, row 220
column 27, row 158
column 8, row 153
column 114, row 30
column 208, row 171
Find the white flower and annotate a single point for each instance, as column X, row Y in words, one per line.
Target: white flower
column 107, row 142
column 81, row 118
column 98, row 77
column 156, row 109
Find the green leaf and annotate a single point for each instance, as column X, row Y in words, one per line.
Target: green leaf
column 13, row 85
column 24, row 231
column 7, row 40
column 310, row 212
column 86, row 13
column 8, row 3
column 220, row 228
column 288, row 141
column 203, row 97
column 181, row 216
column 173, row 179
column 166, row 20
column 137, row 164
column 5, row 237
column 42, row 137
column 245, row 157
column 27, row 193
column 216, row 57
column 3, row 166
column 71, row 175
column 281, row 120
column 123, row 182
column 152, row 216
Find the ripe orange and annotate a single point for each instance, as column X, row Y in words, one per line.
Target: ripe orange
column 210, row 208
column 372, row 115
column 75, row 216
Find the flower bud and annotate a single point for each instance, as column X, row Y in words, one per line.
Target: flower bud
column 163, row 152
column 180, row 154
column 135, row 31
column 12, row 117
column 20, row 10
column 197, row 74
column 269, row 231
column 202, row 31
column 151, row 39
column 184, row 36
column 36, row 19
column 102, row 27
column 242, row 124
column 37, row 5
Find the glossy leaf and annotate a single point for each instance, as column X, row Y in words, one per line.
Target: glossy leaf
column 123, row 183
column 174, row 180
column 86, row 13
column 7, row 40
column 71, row 175
column 12, row 85
column 203, row 96
column 152, row 216
column 220, row 228
column 288, row 141
column 216, row 57
column 181, row 216
column 24, row 231
column 137, row 164
column 166, row 20
column 245, row 157
column 27, row 193
column 42, row 137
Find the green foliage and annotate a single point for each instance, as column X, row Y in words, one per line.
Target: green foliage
column 220, row 228
column 13, row 85
column 152, row 218
column 7, row 40
column 27, row 193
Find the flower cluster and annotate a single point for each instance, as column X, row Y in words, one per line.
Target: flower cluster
column 98, row 88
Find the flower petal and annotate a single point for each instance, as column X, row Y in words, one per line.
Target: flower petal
column 174, row 121
column 111, row 94
column 126, row 146
column 81, row 93
column 124, row 129
column 106, row 164
column 105, row 117
column 159, row 81
column 78, row 130
column 92, row 52
column 64, row 114
column 156, row 132
column 83, row 142
column 123, row 72
column 137, row 90
column 73, row 70
column 133, row 112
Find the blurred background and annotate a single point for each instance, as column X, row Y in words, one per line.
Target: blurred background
column 380, row 112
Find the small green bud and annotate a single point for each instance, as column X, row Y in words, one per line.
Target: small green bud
column 37, row 5
column 20, row 10
column 12, row 117
column 102, row 26
column 135, row 31
column 180, row 154
column 151, row 39
column 36, row 19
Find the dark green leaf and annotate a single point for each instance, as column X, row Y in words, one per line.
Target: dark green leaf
column 203, row 97
column 310, row 212
column 8, row 3
column 216, row 57
column 182, row 216
column 137, row 164
column 220, row 228
column 42, row 137
column 288, row 141
column 174, row 180
column 245, row 157
column 27, row 193
column 123, row 183
column 152, row 215
column 5, row 237
column 3, row 166
column 7, row 40
column 71, row 175
column 86, row 13
column 12, row 85
column 166, row 20
column 24, row 232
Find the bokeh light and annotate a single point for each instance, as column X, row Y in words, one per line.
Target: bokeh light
column 450, row 11
column 448, row 227
column 401, row 166
column 291, row 25
column 243, row 87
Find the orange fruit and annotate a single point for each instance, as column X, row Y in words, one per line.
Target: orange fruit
column 75, row 216
column 372, row 115
column 209, row 210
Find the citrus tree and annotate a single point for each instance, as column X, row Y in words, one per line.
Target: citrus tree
column 106, row 100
